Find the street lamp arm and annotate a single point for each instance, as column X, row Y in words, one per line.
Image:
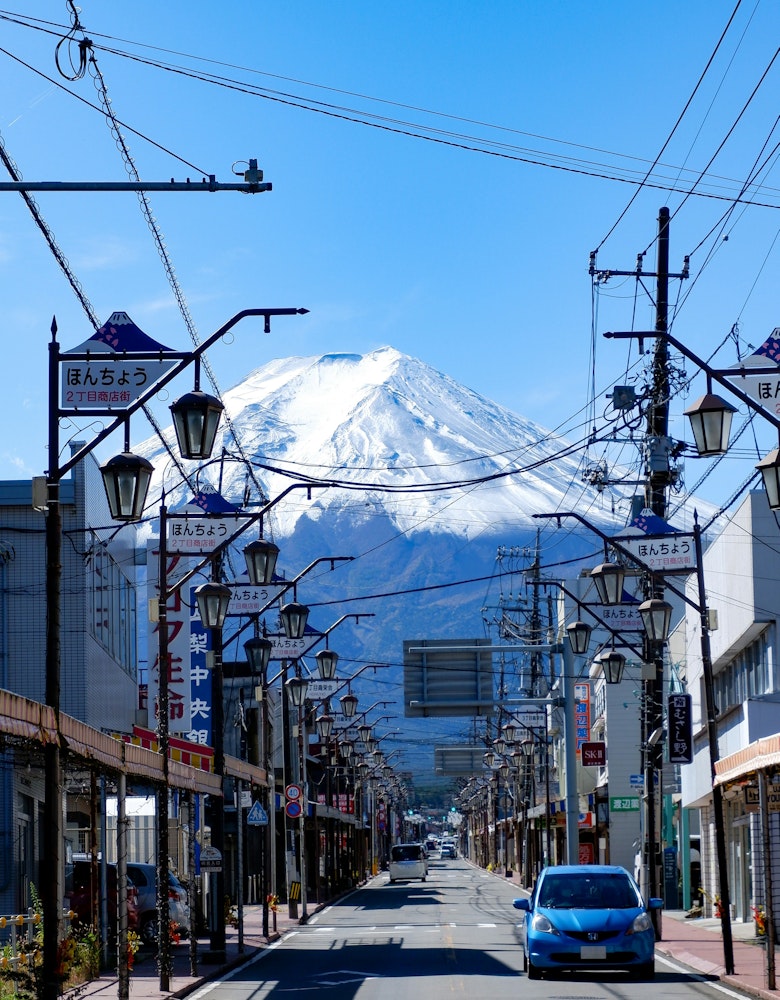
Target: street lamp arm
column 219, row 549
column 623, row 551
column 184, row 360
column 720, row 375
column 348, row 680
column 588, row 610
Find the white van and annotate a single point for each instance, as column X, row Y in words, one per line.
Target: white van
column 408, row 861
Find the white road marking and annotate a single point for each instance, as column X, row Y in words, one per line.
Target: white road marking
column 699, row 977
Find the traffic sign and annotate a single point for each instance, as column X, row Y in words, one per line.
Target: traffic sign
column 257, row 816
column 210, row 859
column 293, row 792
column 293, row 809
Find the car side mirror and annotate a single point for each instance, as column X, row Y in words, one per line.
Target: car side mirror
column 522, row 904
column 655, row 904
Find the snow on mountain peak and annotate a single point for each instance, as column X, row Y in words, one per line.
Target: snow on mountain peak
column 433, row 453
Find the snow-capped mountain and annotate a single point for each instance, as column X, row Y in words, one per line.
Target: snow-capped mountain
column 433, row 454
column 416, row 480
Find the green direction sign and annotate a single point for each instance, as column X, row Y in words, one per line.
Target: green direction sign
column 624, row 803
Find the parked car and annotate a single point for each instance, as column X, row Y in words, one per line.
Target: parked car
column 587, row 917
column 83, row 895
column 144, row 877
column 408, row 861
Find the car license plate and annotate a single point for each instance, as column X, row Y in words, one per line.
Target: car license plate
column 593, row 952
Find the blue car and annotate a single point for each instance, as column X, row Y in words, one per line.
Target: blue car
column 587, row 917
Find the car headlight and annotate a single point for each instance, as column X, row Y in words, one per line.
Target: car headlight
column 543, row 925
column 640, row 923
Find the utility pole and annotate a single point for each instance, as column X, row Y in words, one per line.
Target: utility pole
column 657, row 452
column 658, row 476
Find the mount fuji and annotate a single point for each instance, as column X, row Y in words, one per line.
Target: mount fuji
column 416, row 483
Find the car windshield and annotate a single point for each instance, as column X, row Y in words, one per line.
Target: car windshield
column 587, row 892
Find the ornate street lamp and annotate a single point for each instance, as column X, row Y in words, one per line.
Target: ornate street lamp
column 261, row 556
column 258, row 653
column 294, row 617
column 326, row 663
column 324, row 727
column 769, row 468
column 579, row 637
column 126, row 479
column 296, row 688
column 609, row 578
column 364, row 732
column 196, row 418
column 489, row 758
column 710, row 420
column 349, row 704
column 612, row 664
column 656, row 618
column 510, row 732
column 213, row 600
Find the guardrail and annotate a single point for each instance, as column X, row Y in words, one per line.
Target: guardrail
column 18, row 932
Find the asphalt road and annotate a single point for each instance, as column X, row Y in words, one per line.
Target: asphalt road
column 452, row 935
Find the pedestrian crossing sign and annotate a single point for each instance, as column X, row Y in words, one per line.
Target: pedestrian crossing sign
column 257, row 816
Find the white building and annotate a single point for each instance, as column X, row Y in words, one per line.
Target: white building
column 742, row 582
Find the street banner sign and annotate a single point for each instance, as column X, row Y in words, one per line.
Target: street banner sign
column 111, row 378
column 319, row 690
column 284, row 648
column 257, row 816
column 763, row 388
column 248, row 599
column 530, row 718
column 655, row 544
column 620, row 617
column 680, row 716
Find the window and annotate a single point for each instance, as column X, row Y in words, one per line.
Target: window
column 113, row 608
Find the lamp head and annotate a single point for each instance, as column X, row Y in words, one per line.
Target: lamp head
column 261, row 556
column 126, row 479
column 196, row 418
column 213, row 600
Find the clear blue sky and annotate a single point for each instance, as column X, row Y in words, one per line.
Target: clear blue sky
column 469, row 252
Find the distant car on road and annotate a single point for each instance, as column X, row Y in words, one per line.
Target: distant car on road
column 587, row 917
column 448, row 851
column 408, row 861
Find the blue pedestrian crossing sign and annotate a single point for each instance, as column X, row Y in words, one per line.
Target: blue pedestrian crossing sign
column 257, row 816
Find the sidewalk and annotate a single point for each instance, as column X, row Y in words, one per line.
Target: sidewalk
column 698, row 944
column 145, row 979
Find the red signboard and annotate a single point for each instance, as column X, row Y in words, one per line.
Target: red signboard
column 594, row 754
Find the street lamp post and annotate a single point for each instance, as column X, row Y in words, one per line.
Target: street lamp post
column 700, row 607
column 125, row 480
column 213, row 600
